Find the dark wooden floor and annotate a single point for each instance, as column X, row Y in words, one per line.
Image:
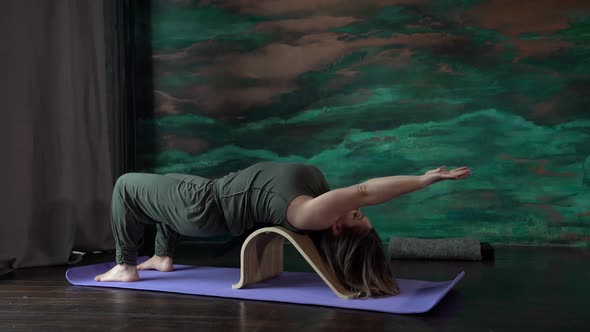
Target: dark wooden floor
column 525, row 289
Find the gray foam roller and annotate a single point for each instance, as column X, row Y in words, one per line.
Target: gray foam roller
column 451, row 249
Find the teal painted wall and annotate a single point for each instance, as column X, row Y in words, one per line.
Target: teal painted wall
column 364, row 89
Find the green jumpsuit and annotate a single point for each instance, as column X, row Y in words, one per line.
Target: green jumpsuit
column 180, row 204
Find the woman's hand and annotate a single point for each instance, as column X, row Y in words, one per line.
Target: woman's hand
column 442, row 174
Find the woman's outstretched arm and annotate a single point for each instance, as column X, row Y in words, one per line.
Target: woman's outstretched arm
column 380, row 190
column 321, row 212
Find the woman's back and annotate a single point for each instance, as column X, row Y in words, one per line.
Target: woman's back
column 261, row 193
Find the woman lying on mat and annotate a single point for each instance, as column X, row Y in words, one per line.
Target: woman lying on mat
column 293, row 195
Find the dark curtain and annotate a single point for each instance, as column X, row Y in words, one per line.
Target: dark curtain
column 121, row 73
column 56, row 164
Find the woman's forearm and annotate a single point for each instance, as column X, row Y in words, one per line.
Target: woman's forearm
column 380, row 190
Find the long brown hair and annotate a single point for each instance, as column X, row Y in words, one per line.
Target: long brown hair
column 358, row 261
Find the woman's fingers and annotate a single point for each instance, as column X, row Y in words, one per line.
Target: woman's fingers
column 463, row 175
column 456, row 174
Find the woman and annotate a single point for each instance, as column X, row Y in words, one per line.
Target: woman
column 292, row 195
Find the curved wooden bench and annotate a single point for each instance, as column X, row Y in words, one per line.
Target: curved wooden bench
column 261, row 258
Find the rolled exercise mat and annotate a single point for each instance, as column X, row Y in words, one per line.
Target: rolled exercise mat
column 449, row 249
column 416, row 296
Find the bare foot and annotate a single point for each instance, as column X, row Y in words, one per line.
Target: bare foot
column 120, row 272
column 160, row 263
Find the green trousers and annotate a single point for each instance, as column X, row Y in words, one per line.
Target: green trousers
column 178, row 204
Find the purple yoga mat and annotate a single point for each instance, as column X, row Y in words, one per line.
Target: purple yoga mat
column 292, row 287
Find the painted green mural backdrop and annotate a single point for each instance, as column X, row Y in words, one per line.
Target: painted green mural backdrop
column 370, row 88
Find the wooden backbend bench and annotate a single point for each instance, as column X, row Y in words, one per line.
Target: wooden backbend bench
column 261, row 258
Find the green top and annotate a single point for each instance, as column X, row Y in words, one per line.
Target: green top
column 261, row 193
